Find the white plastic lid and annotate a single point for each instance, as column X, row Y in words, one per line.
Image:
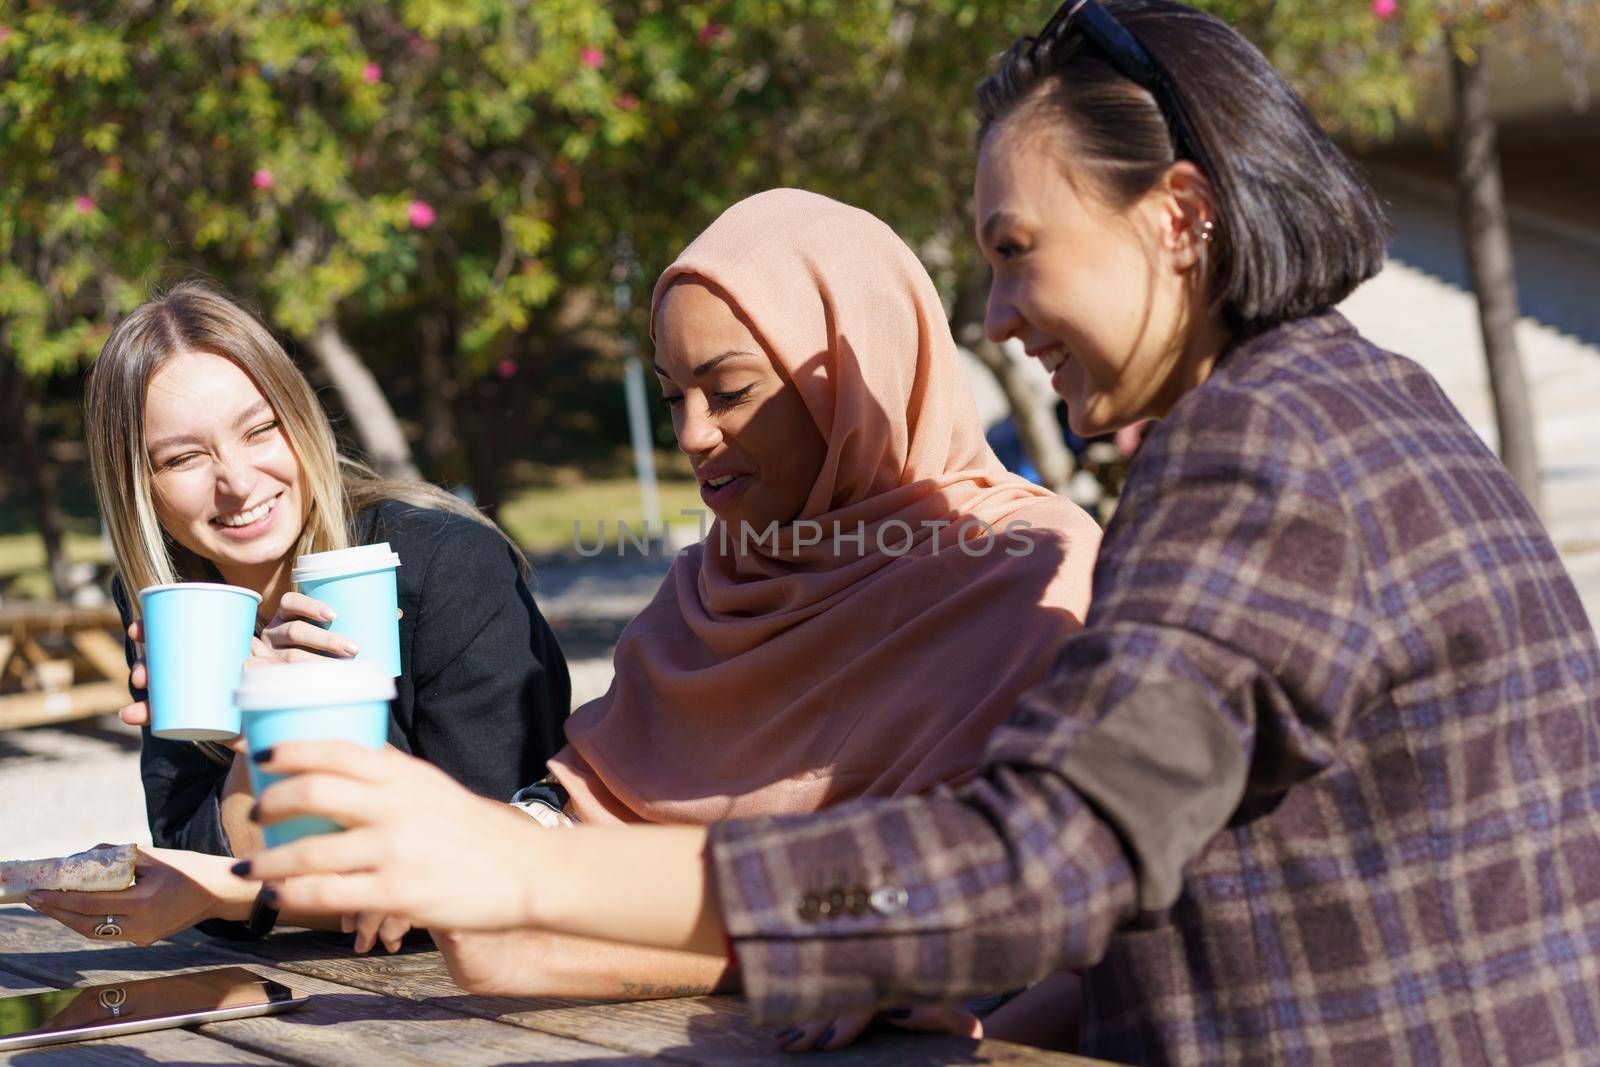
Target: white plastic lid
column 308, row 685
column 343, row 561
column 214, row 586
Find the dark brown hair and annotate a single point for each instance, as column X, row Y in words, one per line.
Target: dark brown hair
column 1298, row 227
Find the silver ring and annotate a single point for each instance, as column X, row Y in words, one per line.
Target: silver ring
column 109, row 928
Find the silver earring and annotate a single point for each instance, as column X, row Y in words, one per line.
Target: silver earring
column 1205, row 229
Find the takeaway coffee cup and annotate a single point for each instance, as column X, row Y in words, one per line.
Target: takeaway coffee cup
column 196, row 639
column 359, row 585
column 333, row 700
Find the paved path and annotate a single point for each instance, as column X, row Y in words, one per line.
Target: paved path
column 1419, row 307
column 63, row 789
column 588, row 602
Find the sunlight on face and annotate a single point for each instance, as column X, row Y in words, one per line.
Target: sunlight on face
column 227, row 485
column 743, row 425
column 1087, row 289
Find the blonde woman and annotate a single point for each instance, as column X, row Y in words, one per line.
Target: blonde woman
column 213, row 461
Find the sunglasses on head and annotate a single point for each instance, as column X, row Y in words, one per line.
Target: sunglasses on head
column 1112, row 41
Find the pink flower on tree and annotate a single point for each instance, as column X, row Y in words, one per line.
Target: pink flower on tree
column 372, row 74
column 84, row 204
column 420, row 214
column 506, row 368
column 592, row 58
column 626, row 101
column 710, row 32
column 262, row 179
column 1385, row 9
column 5, row 33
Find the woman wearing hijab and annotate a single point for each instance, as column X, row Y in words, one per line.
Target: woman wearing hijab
column 872, row 596
column 1318, row 780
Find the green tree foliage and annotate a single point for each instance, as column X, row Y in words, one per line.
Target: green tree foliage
column 475, row 160
column 317, row 154
column 1364, row 65
column 477, row 157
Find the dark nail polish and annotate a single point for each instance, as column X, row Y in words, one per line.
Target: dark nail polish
column 822, row 1042
column 788, row 1037
column 255, row 813
column 241, row 869
column 269, row 898
column 898, row 1013
column 262, row 756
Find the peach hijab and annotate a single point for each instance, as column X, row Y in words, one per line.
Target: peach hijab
column 784, row 678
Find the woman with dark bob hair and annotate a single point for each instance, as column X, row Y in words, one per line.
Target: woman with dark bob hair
column 1318, row 780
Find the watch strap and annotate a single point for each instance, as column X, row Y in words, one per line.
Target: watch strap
column 262, row 918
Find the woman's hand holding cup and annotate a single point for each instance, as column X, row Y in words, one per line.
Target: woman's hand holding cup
column 291, row 636
column 296, row 632
column 137, row 713
column 418, row 846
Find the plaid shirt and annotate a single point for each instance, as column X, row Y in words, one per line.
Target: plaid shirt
column 1317, row 782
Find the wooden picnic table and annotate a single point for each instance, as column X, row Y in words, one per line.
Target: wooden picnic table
column 59, row 662
column 403, row 1009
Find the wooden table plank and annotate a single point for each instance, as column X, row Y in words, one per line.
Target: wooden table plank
column 104, row 652
column 405, row 1009
column 341, row 1027
column 159, row 1046
column 55, row 616
column 18, row 710
column 695, row 1030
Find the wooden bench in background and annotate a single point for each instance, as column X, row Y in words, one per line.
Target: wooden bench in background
column 58, row 663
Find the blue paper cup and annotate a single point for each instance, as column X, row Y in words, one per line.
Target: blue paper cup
column 337, row 700
column 196, row 639
column 359, row 585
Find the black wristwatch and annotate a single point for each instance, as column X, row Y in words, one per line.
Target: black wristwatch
column 262, row 918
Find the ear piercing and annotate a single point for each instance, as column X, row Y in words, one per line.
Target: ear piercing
column 1205, row 229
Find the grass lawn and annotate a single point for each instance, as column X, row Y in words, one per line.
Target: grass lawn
column 541, row 519
column 22, row 555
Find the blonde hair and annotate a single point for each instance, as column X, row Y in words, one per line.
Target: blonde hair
column 196, row 316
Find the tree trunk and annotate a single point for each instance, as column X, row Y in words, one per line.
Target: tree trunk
column 440, row 442
column 1481, row 200
column 374, row 420
column 33, row 461
column 485, row 443
column 1034, row 409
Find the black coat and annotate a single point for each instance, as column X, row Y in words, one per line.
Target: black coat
column 483, row 694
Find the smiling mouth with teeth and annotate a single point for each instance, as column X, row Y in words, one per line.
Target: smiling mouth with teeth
column 717, row 483
column 1052, row 358
column 246, row 518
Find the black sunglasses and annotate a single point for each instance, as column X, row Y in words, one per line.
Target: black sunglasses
column 1127, row 57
